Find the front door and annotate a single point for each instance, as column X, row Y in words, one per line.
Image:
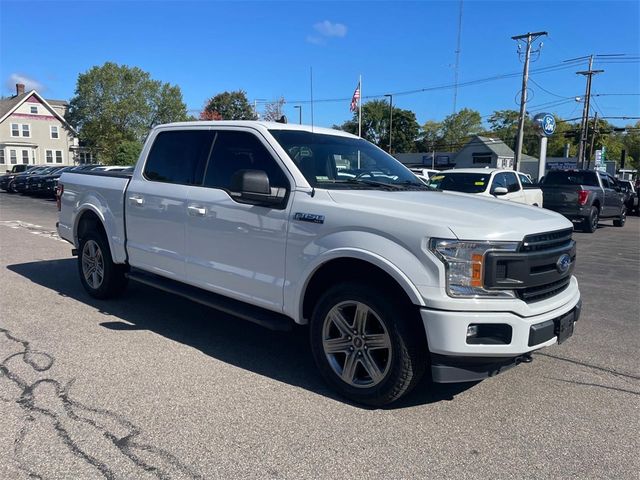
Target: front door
column 237, row 249
column 612, row 200
column 156, row 201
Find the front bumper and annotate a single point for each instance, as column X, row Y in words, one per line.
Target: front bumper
column 454, row 359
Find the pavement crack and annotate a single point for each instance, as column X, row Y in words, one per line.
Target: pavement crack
column 74, row 416
column 588, row 384
column 587, row 365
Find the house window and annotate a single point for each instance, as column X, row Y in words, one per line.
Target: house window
column 13, row 157
column 2, row 156
column 482, row 159
column 15, row 130
column 58, row 156
column 25, row 157
column 85, row 157
column 49, row 156
column 26, row 130
column 54, row 132
column 34, row 110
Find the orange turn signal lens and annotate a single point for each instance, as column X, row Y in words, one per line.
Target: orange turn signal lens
column 476, row 269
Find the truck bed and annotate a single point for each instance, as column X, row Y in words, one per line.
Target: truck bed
column 104, row 193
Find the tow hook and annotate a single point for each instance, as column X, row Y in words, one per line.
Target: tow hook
column 74, row 252
column 526, row 358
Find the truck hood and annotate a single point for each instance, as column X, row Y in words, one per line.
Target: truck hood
column 469, row 217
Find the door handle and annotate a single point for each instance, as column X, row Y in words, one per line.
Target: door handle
column 196, row 210
column 136, row 200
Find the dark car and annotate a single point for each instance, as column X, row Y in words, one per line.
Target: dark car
column 584, row 196
column 11, row 174
column 20, row 168
column 7, row 181
column 34, row 182
column 631, row 196
column 19, row 184
column 45, row 182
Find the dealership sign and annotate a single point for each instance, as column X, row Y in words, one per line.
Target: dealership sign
column 545, row 124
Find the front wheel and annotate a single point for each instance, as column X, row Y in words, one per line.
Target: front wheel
column 368, row 345
column 100, row 277
column 621, row 220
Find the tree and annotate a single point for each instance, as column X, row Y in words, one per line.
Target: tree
column 375, row 126
column 127, row 152
column 274, row 110
column 430, row 137
column 228, row 106
column 459, row 126
column 631, row 141
column 116, row 103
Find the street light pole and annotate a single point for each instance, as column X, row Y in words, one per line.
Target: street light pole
column 390, row 118
column 299, row 107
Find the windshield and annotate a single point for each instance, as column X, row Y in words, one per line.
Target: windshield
column 562, row 177
column 460, row 182
column 332, row 161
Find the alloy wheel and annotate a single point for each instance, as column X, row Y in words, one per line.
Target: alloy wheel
column 357, row 344
column 92, row 264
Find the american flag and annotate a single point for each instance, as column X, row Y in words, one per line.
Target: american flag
column 355, row 99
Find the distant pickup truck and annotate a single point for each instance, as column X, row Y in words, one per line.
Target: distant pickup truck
column 393, row 278
column 584, row 197
column 489, row 182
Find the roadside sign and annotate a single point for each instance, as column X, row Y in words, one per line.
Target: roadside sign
column 545, row 124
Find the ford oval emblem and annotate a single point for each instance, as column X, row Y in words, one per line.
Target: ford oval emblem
column 563, row 263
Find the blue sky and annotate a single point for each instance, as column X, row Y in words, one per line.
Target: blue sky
column 267, row 48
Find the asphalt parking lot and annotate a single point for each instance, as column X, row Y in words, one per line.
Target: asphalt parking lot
column 154, row 386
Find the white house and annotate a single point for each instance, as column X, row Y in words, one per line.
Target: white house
column 34, row 131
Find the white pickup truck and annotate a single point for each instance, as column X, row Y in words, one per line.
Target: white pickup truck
column 489, row 182
column 393, row 278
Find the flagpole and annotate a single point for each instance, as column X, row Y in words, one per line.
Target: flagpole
column 360, row 108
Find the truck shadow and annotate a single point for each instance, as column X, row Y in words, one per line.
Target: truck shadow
column 285, row 357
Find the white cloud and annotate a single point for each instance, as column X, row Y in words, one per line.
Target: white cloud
column 29, row 83
column 328, row 29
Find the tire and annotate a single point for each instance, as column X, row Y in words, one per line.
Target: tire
column 622, row 219
column 94, row 253
column 590, row 223
column 380, row 374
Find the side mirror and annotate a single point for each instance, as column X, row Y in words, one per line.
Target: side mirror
column 8, row 171
column 500, row 191
column 252, row 186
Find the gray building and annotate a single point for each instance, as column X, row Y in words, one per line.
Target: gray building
column 484, row 152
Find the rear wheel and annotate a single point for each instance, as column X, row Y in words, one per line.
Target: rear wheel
column 100, row 277
column 367, row 345
column 590, row 223
column 621, row 220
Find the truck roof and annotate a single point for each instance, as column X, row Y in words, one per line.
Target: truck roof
column 478, row 170
column 260, row 125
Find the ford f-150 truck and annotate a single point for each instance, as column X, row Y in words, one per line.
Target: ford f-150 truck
column 584, row 196
column 393, row 278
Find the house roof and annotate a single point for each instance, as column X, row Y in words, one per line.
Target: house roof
column 8, row 105
column 496, row 145
column 528, row 158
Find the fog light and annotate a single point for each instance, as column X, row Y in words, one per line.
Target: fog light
column 472, row 331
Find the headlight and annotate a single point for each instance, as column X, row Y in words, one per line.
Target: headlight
column 464, row 264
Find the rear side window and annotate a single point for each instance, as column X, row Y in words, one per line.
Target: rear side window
column 524, row 179
column 179, row 156
column 562, row 177
column 233, row 151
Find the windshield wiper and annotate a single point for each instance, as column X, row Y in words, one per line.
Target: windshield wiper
column 375, row 183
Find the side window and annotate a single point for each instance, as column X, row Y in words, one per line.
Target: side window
column 605, row 181
column 524, row 179
column 500, row 180
column 179, row 156
column 512, row 182
column 233, row 151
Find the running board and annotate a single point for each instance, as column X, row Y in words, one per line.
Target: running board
column 260, row 316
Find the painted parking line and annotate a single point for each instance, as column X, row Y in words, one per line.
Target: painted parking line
column 32, row 228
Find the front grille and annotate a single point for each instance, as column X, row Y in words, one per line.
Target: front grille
column 535, row 294
column 546, row 241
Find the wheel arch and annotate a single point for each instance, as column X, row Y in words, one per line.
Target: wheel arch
column 90, row 218
column 355, row 265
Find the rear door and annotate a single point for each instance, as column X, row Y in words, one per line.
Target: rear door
column 612, row 200
column 156, row 200
column 233, row 248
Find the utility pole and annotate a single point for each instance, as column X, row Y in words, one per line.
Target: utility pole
column 390, row 118
column 299, row 107
column 457, row 66
column 582, row 146
column 530, row 38
column 593, row 139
